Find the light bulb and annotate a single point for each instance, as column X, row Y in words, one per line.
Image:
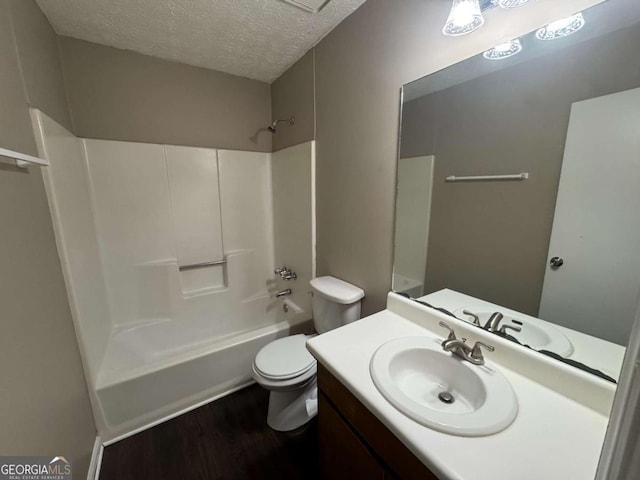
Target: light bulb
column 561, row 28
column 504, row 50
column 465, row 17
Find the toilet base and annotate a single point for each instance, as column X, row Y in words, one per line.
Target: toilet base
column 291, row 409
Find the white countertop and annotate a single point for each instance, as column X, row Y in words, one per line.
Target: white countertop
column 553, row 436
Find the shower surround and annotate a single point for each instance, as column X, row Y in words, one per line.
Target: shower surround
column 158, row 338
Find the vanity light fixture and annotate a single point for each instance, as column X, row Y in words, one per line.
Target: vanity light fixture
column 561, row 28
column 504, row 50
column 513, row 3
column 465, row 17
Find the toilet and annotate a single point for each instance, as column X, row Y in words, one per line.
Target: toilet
column 288, row 370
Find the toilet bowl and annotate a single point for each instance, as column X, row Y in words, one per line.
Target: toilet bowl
column 288, row 370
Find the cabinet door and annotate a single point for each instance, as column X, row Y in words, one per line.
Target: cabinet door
column 342, row 454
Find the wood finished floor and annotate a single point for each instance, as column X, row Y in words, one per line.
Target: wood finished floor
column 228, row 439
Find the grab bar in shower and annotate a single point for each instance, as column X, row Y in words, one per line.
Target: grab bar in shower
column 201, row 265
column 485, row 178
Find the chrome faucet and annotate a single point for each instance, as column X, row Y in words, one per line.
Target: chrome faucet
column 286, row 273
column 493, row 322
column 283, row 293
column 459, row 348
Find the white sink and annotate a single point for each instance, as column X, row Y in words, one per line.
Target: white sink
column 416, row 376
column 536, row 334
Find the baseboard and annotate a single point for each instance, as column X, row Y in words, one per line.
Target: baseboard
column 96, row 460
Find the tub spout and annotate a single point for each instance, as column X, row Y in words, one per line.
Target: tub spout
column 283, row 293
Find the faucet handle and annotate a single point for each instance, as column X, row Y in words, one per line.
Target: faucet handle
column 476, row 318
column 452, row 333
column 504, row 328
column 476, row 351
column 285, row 273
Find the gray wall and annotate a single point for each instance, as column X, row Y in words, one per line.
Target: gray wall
column 359, row 69
column 122, row 95
column 292, row 95
column 44, row 405
column 490, row 240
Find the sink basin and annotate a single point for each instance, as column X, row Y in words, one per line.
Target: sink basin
column 442, row 391
column 537, row 335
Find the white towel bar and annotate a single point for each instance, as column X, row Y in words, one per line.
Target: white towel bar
column 22, row 159
column 484, row 178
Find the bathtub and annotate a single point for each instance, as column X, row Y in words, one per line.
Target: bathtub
column 159, row 370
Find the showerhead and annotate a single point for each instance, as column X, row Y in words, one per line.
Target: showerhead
column 272, row 127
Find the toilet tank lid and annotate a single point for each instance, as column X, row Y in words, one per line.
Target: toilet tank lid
column 336, row 290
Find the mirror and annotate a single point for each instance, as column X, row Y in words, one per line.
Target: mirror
column 519, row 191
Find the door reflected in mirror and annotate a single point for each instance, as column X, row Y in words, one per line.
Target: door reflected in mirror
column 519, row 190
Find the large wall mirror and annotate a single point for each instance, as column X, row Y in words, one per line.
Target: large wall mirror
column 519, row 190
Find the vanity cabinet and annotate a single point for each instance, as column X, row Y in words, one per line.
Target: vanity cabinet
column 354, row 444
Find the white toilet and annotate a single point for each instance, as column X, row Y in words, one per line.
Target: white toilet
column 288, row 370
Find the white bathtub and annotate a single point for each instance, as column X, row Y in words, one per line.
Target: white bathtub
column 156, row 371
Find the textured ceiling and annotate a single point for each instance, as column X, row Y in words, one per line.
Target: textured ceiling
column 257, row 39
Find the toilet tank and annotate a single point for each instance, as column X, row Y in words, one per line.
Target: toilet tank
column 335, row 303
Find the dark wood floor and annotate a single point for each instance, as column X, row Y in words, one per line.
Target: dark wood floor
column 228, row 439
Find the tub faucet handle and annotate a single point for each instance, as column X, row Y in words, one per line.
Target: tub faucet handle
column 286, row 273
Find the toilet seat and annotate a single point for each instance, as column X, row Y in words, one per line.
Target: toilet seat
column 285, row 364
column 284, row 359
column 288, row 384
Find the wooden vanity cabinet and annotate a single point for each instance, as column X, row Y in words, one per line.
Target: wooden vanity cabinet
column 354, row 444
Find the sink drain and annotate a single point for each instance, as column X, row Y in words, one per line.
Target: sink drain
column 446, row 397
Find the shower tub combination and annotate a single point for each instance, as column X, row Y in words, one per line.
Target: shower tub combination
column 168, row 255
column 149, row 375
